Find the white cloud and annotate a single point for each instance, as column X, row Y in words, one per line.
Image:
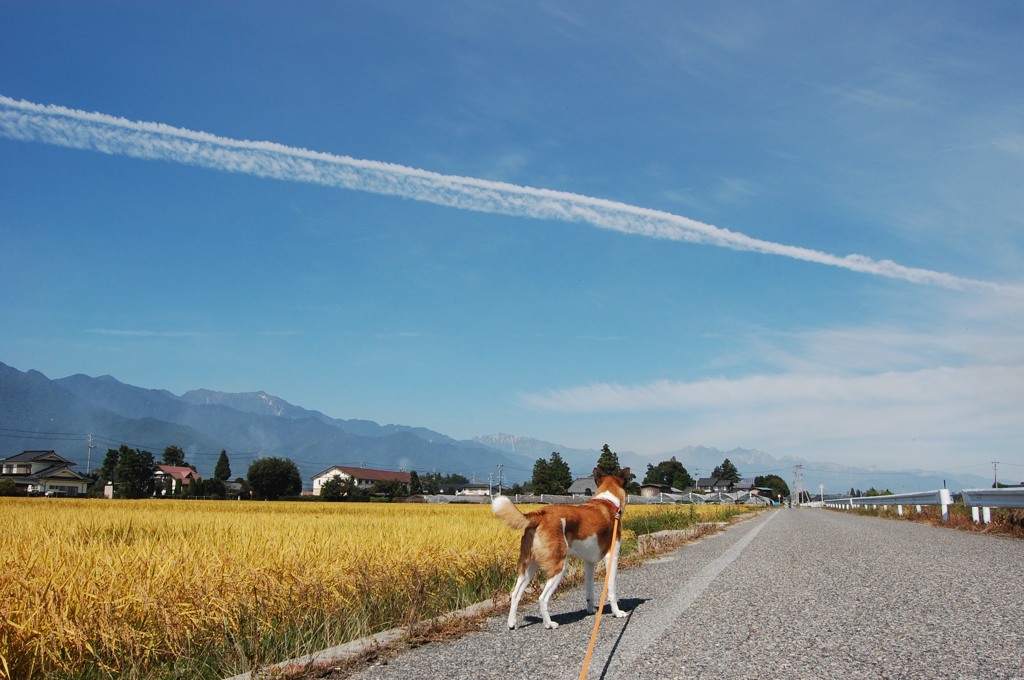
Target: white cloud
column 994, row 385
column 940, row 415
column 145, row 333
column 72, row 128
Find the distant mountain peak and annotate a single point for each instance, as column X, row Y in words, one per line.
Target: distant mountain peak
column 259, row 403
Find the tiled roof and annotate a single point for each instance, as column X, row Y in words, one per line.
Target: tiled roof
column 178, row 471
column 368, row 474
column 581, row 485
column 29, row 456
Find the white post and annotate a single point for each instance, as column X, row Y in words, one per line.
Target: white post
column 946, row 501
column 899, row 509
column 986, row 514
column 975, row 516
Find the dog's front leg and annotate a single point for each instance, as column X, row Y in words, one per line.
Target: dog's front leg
column 612, row 566
column 588, row 573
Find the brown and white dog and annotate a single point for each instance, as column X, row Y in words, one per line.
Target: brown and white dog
column 553, row 533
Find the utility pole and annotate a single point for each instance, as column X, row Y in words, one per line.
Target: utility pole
column 88, row 460
column 490, row 480
column 821, row 489
column 797, row 483
column 500, row 466
column 995, row 474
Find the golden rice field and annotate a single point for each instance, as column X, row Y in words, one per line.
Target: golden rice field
column 95, row 588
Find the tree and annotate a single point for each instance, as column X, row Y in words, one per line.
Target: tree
column 726, row 471
column 541, row 479
column 551, row 476
column 389, row 488
column 173, row 455
column 432, row 486
column 559, row 474
column 670, row 472
column 222, row 470
column 339, row 488
column 608, row 461
column 215, row 488
column 134, row 473
column 9, row 488
column 777, row 484
column 415, row 485
column 108, row 471
column 270, row 478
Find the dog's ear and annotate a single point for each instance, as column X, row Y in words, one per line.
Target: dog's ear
column 598, row 475
column 626, row 475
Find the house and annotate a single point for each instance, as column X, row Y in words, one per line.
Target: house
column 708, row 484
column 472, row 489
column 364, row 477
column 582, row 486
column 44, row 472
column 652, row 490
column 171, row 480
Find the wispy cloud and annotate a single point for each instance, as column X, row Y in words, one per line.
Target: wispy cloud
column 77, row 129
column 792, row 391
column 144, row 333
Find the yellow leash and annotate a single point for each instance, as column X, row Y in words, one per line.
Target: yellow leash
column 600, row 607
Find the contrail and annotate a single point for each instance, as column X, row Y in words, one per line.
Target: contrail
column 61, row 126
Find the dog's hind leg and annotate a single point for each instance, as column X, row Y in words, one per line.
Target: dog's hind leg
column 549, row 589
column 588, row 577
column 517, row 591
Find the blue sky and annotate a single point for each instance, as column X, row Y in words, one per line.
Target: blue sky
column 797, row 227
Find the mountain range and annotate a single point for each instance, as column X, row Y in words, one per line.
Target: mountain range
column 68, row 414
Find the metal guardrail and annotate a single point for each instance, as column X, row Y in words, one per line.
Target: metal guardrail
column 984, row 500
column 940, row 497
column 980, row 501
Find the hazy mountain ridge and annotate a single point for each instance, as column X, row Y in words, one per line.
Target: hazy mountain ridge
column 261, row 403
column 42, row 413
column 202, row 422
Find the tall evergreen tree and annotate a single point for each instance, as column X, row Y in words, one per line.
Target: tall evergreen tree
column 726, row 471
column 222, row 471
column 541, row 480
column 608, row 461
column 559, row 474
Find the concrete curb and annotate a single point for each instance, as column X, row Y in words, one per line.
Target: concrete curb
column 357, row 648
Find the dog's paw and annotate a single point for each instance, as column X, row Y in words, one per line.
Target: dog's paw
column 619, row 614
column 551, row 625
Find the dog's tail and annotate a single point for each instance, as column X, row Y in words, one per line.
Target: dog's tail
column 508, row 513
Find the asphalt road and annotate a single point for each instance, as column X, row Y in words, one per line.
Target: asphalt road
column 799, row 593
